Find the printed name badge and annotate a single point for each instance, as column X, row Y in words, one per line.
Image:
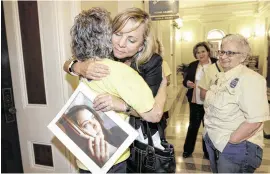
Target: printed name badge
column 234, row 83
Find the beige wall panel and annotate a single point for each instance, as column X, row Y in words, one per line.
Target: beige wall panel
column 128, row 4
column 260, row 42
column 185, row 47
column 111, row 6
column 166, row 34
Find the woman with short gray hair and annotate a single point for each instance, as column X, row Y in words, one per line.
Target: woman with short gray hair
column 97, row 32
column 235, row 106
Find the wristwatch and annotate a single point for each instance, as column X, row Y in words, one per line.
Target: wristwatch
column 70, row 67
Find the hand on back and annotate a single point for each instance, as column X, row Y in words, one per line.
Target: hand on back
column 91, row 69
column 107, row 102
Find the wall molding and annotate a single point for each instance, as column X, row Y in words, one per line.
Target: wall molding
column 219, row 12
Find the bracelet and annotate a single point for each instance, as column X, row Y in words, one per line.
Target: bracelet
column 70, row 67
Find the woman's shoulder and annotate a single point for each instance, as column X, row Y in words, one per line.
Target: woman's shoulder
column 154, row 61
column 194, row 63
column 250, row 75
column 114, row 64
column 117, row 68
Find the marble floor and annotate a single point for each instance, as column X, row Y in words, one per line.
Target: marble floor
column 176, row 132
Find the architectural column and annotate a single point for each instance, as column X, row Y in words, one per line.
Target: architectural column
column 173, row 54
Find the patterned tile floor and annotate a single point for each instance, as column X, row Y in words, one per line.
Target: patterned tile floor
column 176, row 132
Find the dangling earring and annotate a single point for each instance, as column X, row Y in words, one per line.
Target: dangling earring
column 139, row 52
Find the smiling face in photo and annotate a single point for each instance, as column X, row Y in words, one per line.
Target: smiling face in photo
column 88, row 122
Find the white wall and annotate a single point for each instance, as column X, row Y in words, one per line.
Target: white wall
column 113, row 7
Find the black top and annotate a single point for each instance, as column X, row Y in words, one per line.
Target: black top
column 151, row 72
column 190, row 75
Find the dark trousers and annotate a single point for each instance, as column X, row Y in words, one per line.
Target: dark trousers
column 195, row 119
column 117, row 168
column 163, row 121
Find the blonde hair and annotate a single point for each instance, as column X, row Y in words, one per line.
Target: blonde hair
column 140, row 17
column 160, row 48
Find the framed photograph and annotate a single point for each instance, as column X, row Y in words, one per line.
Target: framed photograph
column 97, row 139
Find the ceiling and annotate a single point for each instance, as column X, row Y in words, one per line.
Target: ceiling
column 210, row 3
column 208, row 10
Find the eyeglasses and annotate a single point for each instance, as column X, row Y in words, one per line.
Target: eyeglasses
column 228, row 53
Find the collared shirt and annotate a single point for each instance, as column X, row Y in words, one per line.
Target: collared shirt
column 210, row 75
column 166, row 68
column 236, row 96
column 198, row 76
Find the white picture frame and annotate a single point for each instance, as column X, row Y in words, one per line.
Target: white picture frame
column 62, row 129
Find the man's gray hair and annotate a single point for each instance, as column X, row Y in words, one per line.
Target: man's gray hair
column 91, row 34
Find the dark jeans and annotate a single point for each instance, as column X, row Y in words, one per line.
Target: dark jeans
column 117, row 168
column 244, row 157
column 195, row 119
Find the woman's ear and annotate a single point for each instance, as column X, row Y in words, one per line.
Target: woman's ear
column 141, row 48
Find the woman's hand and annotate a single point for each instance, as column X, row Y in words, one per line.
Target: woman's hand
column 99, row 148
column 202, row 93
column 107, row 102
column 91, row 69
column 190, row 84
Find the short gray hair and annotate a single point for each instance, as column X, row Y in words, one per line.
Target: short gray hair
column 91, row 34
column 241, row 42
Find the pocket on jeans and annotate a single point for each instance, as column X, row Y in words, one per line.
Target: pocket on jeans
column 235, row 152
column 255, row 153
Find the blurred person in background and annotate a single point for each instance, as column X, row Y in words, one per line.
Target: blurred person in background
column 194, row 73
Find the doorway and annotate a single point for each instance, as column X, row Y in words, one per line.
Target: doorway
column 11, row 161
